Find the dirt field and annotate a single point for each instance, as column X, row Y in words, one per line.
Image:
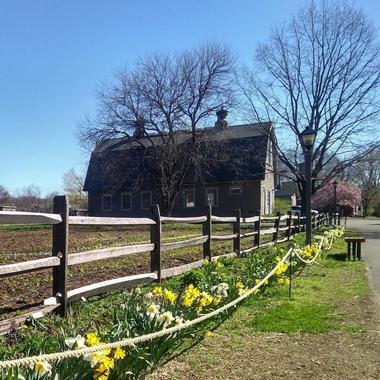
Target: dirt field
column 24, row 292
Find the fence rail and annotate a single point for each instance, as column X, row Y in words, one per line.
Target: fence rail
column 281, row 227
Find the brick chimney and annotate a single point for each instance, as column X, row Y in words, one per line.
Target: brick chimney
column 221, row 122
column 139, row 131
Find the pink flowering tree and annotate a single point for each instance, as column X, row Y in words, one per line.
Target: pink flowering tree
column 347, row 196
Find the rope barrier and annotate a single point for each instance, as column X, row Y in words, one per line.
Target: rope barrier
column 22, row 362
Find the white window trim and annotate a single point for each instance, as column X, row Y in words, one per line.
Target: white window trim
column 141, row 200
column 239, row 193
column 216, row 193
column 121, row 202
column 185, row 200
column 107, row 195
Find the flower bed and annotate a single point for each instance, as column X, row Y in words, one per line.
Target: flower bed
column 144, row 311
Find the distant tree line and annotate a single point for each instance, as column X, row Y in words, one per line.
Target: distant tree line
column 30, row 198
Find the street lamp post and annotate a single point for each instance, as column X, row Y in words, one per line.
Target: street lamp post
column 308, row 138
column 335, row 185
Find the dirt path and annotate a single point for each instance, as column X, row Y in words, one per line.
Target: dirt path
column 370, row 229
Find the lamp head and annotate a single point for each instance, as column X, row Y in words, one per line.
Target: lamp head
column 308, row 138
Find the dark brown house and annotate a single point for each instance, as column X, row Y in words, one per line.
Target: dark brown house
column 237, row 165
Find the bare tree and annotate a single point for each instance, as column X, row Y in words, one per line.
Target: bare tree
column 73, row 187
column 5, row 197
column 28, row 198
column 366, row 175
column 161, row 104
column 321, row 71
column 46, row 203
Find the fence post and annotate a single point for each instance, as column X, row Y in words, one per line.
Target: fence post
column 60, row 249
column 289, row 225
column 298, row 223
column 237, row 231
column 256, row 228
column 276, row 226
column 155, row 238
column 207, row 228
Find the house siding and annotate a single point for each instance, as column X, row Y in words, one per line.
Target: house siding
column 268, row 184
column 248, row 201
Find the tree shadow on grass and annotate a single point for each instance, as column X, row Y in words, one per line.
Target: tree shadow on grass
column 339, row 256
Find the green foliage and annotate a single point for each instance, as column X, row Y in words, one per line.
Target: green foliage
column 281, row 205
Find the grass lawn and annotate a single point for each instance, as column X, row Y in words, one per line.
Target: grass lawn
column 322, row 331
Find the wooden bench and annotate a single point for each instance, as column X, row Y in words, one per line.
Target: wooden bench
column 354, row 246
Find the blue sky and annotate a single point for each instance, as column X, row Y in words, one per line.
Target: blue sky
column 53, row 55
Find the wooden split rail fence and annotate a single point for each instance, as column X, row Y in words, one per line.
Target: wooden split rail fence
column 278, row 229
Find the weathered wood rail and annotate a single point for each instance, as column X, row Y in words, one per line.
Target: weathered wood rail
column 280, row 228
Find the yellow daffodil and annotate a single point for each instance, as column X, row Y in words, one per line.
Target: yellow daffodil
column 239, row 285
column 101, row 372
column 107, row 362
column 242, row 291
column 170, row 296
column 92, row 339
column 208, row 334
column 118, row 353
column 206, row 299
column 157, row 291
column 282, row 268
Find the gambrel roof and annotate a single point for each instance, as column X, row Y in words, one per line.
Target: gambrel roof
column 236, row 154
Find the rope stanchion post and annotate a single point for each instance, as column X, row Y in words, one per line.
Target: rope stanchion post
column 276, row 227
column 237, row 231
column 298, row 223
column 256, row 228
column 289, row 225
column 290, row 274
column 60, row 249
column 156, row 239
column 207, row 230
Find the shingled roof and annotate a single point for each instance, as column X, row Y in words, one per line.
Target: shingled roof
column 287, row 189
column 233, row 155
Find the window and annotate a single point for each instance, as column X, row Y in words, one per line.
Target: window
column 107, row 202
column 212, row 196
column 146, row 200
column 269, row 202
column 126, row 201
column 270, row 154
column 235, row 190
column 189, row 198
